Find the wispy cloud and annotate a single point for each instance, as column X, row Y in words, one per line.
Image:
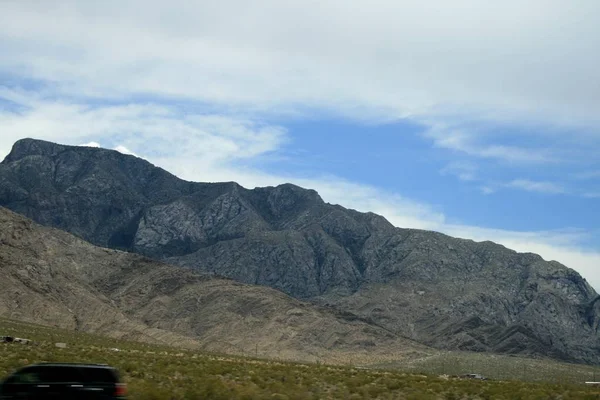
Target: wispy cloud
column 487, row 190
column 208, row 137
column 463, row 170
column 124, row 150
column 536, row 186
column 91, row 144
column 588, row 175
column 541, row 187
column 476, row 144
column 284, row 55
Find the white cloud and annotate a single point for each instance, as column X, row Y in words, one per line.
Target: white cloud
column 463, row 170
column 120, row 148
column 588, row 175
column 474, row 143
column 124, row 150
column 542, row 187
column 487, row 190
column 381, row 59
column 156, row 130
column 536, row 186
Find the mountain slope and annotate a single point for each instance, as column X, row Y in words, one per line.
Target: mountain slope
column 442, row 291
column 53, row 278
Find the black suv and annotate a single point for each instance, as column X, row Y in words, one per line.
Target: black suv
column 63, row 381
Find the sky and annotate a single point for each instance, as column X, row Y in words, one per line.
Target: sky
column 477, row 119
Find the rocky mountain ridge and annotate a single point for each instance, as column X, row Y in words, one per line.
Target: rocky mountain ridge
column 446, row 292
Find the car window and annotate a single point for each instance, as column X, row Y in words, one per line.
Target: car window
column 106, row 375
column 24, row 376
column 55, row 374
column 28, row 377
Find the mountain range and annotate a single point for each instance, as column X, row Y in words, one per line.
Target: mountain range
column 285, row 242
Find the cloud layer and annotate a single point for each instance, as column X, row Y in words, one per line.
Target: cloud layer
column 376, row 59
column 204, row 88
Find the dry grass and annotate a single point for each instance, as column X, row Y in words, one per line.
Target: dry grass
column 155, row 372
column 500, row 367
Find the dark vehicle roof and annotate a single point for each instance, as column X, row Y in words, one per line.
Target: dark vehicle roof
column 86, row 372
column 78, row 365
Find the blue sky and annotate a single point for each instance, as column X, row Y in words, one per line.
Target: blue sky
column 477, row 120
column 398, row 157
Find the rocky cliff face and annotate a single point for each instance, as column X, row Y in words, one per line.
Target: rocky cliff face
column 439, row 290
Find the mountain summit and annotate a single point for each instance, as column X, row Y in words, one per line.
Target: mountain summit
column 445, row 292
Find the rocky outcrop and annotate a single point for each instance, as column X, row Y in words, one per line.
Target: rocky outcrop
column 446, row 292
